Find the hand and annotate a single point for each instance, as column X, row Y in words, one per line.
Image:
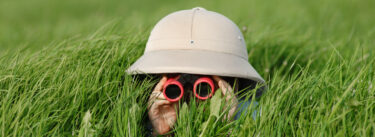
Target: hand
column 161, row 112
column 229, row 95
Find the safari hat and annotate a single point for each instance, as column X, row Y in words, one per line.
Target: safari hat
column 196, row 41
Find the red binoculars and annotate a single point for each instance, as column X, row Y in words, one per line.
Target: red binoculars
column 203, row 88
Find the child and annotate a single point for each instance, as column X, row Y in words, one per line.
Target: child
column 195, row 42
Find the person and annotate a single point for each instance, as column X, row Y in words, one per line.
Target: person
column 162, row 113
column 196, row 42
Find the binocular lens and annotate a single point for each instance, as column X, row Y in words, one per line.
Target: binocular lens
column 203, row 89
column 172, row 91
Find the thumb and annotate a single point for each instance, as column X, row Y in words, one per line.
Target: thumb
column 222, row 87
column 217, row 78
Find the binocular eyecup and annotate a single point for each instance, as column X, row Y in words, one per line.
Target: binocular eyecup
column 203, row 88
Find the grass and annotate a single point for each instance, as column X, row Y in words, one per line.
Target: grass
column 62, row 68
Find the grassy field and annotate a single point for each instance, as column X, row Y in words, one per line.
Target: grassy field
column 62, row 68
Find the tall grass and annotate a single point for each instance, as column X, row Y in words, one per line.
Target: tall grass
column 62, row 68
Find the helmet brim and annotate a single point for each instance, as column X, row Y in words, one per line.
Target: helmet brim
column 194, row 62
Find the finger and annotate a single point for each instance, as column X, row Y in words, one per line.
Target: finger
column 162, row 81
column 225, row 87
column 220, row 83
column 157, row 103
column 217, row 78
column 161, row 97
column 221, row 86
column 231, row 112
column 155, row 94
column 225, row 84
column 161, row 102
column 226, row 91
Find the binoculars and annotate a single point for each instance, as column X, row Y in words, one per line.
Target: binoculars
column 203, row 87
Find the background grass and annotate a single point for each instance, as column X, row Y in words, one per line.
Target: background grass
column 62, row 67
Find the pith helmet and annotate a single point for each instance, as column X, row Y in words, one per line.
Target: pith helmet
column 196, row 41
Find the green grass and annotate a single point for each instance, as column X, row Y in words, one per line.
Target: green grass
column 62, row 68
